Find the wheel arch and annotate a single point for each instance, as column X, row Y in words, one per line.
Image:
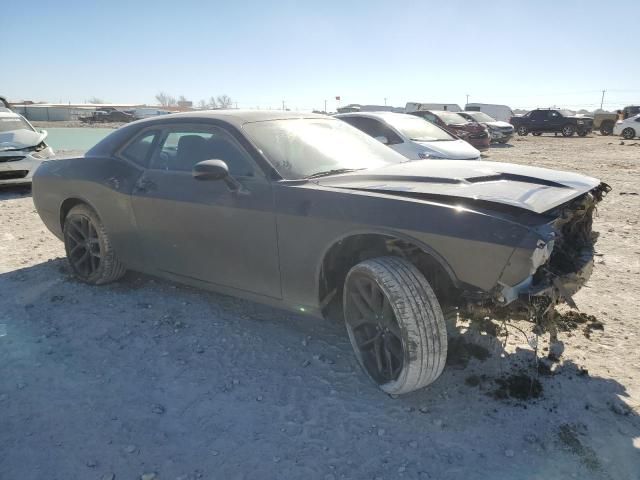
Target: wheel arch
column 68, row 204
column 356, row 246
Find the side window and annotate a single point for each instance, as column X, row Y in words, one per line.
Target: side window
column 138, row 150
column 183, row 147
column 553, row 115
column 375, row 128
column 538, row 115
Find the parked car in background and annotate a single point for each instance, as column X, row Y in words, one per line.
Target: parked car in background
column 500, row 132
column 108, row 116
column 628, row 128
column 605, row 121
column 550, row 120
column 474, row 133
column 22, row 148
column 502, row 113
column 307, row 213
column 144, row 112
column 411, row 136
column 411, row 107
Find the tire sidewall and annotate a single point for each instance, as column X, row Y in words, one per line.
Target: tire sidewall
column 628, row 133
column 389, row 387
column 568, row 130
column 523, row 131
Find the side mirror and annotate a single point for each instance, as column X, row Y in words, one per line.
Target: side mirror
column 382, row 139
column 210, row 170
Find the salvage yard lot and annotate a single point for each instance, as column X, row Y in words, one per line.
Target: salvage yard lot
column 144, row 376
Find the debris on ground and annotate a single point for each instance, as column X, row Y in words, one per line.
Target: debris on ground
column 519, row 386
column 573, row 320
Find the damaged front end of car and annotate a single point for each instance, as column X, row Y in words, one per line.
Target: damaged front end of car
column 559, row 259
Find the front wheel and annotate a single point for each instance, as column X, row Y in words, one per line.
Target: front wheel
column 583, row 133
column 523, row 131
column 628, row 133
column 88, row 247
column 568, row 130
column 395, row 324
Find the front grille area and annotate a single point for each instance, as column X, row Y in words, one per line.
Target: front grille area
column 13, row 158
column 479, row 135
column 13, row 174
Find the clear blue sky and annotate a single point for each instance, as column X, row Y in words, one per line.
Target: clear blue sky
column 524, row 54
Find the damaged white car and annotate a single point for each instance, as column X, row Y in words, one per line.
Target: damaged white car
column 22, row 149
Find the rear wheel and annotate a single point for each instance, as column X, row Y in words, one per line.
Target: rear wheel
column 628, row 133
column 606, row 128
column 395, row 324
column 568, row 130
column 583, row 133
column 88, row 247
column 523, row 131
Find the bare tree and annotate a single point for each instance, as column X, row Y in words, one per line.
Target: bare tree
column 165, row 99
column 95, row 100
column 212, row 103
column 202, row 105
column 224, row 101
column 182, row 98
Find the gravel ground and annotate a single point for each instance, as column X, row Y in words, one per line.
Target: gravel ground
column 147, row 377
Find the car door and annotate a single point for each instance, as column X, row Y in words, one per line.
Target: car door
column 204, row 229
column 537, row 121
column 555, row 121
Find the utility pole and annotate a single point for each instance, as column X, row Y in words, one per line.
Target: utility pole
column 467, row 100
column 283, row 105
column 325, row 106
column 385, row 101
column 602, row 99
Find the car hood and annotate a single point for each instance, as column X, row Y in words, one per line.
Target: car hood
column 453, row 149
column 530, row 188
column 20, row 139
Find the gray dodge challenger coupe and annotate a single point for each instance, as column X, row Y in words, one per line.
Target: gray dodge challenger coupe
column 306, row 212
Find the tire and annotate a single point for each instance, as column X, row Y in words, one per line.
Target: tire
column 568, row 130
column 583, row 133
column 537, row 134
column 88, row 247
column 628, row 133
column 523, row 131
column 606, row 128
column 395, row 324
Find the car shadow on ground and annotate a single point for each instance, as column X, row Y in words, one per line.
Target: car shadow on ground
column 501, row 145
column 144, row 375
column 8, row 192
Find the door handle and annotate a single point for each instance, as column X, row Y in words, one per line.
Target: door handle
column 144, row 186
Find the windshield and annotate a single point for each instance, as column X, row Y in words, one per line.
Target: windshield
column 418, row 129
column 480, row 117
column 298, row 148
column 10, row 124
column 451, row 118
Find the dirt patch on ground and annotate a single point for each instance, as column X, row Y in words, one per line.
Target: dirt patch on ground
column 573, row 320
column 460, row 352
column 519, row 386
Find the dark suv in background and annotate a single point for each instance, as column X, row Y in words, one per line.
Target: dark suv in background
column 548, row 120
column 472, row 132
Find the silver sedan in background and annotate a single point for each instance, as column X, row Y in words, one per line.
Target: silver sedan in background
column 22, row 148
